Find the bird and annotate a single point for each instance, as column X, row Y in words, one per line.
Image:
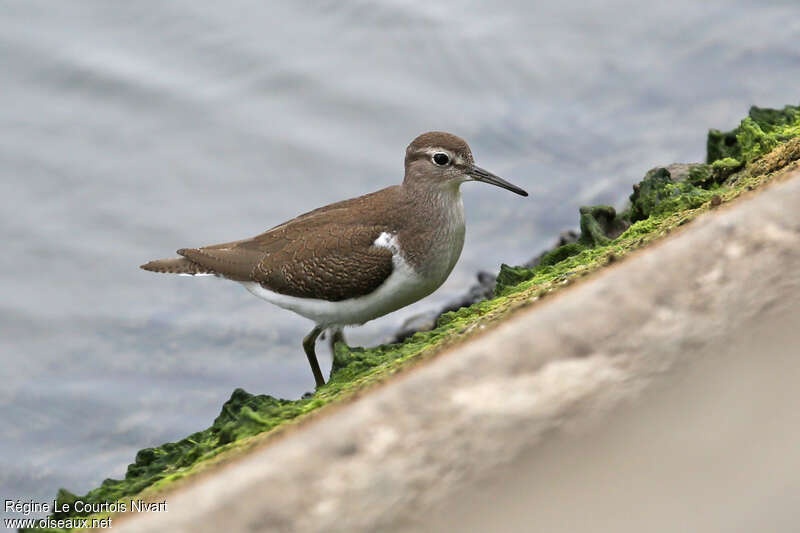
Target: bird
column 352, row 261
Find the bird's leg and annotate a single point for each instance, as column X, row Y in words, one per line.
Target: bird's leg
column 308, row 345
column 337, row 335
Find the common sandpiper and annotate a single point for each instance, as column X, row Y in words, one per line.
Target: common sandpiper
column 352, row 261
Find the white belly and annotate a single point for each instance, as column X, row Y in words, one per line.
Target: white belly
column 402, row 287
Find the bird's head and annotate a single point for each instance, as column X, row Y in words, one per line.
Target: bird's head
column 441, row 159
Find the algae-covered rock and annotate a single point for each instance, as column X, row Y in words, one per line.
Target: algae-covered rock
column 721, row 169
column 698, row 174
column 562, row 252
column 510, row 276
column 247, row 414
column 757, row 134
column 659, row 193
column 675, row 187
column 243, row 415
column 353, row 359
column 662, row 190
column 600, row 225
column 648, row 193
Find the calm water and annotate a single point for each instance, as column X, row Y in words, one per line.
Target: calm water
column 129, row 130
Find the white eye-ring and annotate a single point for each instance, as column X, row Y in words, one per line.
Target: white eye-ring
column 441, row 159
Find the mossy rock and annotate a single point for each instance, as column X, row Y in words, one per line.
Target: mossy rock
column 657, row 193
column 648, row 193
column 512, row 276
column 600, row 225
column 721, row 169
column 700, row 175
column 759, row 133
column 562, row 252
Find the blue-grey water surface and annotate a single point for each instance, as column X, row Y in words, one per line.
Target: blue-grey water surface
column 128, row 130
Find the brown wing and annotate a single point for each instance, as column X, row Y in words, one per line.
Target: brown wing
column 334, row 263
column 327, row 253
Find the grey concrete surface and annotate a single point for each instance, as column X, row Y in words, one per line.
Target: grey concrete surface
column 657, row 396
column 714, row 447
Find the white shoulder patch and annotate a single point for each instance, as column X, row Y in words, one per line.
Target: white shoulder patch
column 387, row 240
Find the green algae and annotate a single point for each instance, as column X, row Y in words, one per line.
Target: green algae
column 700, row 175
column 559, row 254
column 659, row 193
column 600, row 225
column 760, row 132
column 648, row 193
column 662, row 201
column 243, row 415
column 510, row 276
column 721, row 169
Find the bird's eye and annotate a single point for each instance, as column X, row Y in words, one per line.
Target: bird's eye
column 440, row 159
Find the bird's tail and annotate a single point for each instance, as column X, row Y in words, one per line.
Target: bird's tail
column 178, row 265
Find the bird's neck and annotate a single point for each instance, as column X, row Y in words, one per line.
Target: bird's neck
column 442, row 202
column 437, row 229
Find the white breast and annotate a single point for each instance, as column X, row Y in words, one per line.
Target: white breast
column 402, row 287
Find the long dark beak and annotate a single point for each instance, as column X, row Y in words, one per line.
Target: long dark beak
column 485, row 176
